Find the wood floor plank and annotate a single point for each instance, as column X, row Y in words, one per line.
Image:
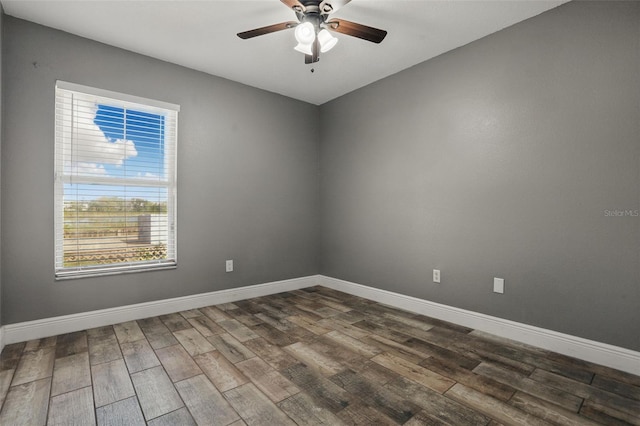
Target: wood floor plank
column 304, row 411
column 272, row 354
column 205, row 325
column 251, row 306
column 461, row 344
column 99, row 332
column 275, row 386
column 444, row 354
column 589, row 393
column 72, row 408
column 26, row 404
column 353, row 344
column 436, row 408
column 127, row 332
column 126, row 412
column 175, row 322
column 344, row 327
column 382, row 331
column 305, row 322
column 532, row 387
column 180, row 417
column 205, row 402
column 619, row 388
column 158, row 335
column 360, row 414
column 333, row 303
column 71, row 373
column 103, row 348
column 608, row 415
column 273, row 335
column 548, row 411
column 5, row 380
column 281, row 324
column 410, row 321
column 424, row 418
column 111, row 382
column 374, row 372
column 414, row 372
column 566, row 366
column 220, row 371
column 155, row 392
column 191, row 313
column 244, row 317
column 398, row 349
column 341, row 354
column 138, row 355
column 226, row 306
column 314, row 359
column 35, row 365
column 484, row 384
column 215, row 313
column 491, row 407
column 46, row 342
column 255, row 408
column 323, row 391
column 278, row 307
column 177, row 362
column 397, row 326
column 71, row 344
column 390, row 404
column 441, row 324
column 194, row 342
column 10, row 356
column 350, row 317
column 231, row 348
column 238, row 330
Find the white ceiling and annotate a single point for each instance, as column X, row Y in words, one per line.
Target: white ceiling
column 202, row 35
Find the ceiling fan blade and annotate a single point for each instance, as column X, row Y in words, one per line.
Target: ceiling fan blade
column 357, row 30
column 266, row 30
column 295, row 5
column 330, row 6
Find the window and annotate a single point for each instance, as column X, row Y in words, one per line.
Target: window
column 115, row 182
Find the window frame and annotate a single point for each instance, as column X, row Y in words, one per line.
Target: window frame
column 61, row 135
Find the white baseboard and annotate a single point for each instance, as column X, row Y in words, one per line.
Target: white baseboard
column 24, row 331
column 588, row 350
column 577, row 347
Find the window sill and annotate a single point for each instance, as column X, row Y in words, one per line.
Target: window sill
column 102, row 272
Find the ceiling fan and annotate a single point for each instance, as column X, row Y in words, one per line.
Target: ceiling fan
column 313, row 26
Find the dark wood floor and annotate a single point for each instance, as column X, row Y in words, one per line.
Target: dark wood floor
column 314, row 356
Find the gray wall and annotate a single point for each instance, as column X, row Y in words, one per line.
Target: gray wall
column 247, row 177
column 499, row 159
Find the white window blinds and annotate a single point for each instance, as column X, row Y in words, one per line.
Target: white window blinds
column 115, row 182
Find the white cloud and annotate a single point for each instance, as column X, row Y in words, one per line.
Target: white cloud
column 86, row 169
column 147, row 175
column 92, row 148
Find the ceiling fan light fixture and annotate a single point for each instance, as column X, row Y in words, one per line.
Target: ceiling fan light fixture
column 305, row 33
column 327, row 41
column 304, row 48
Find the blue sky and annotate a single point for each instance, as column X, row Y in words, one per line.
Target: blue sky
column 120, row 144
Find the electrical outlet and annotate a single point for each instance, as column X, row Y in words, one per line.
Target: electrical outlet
column 498, row 285
column 436, row 275
column 229, row 265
